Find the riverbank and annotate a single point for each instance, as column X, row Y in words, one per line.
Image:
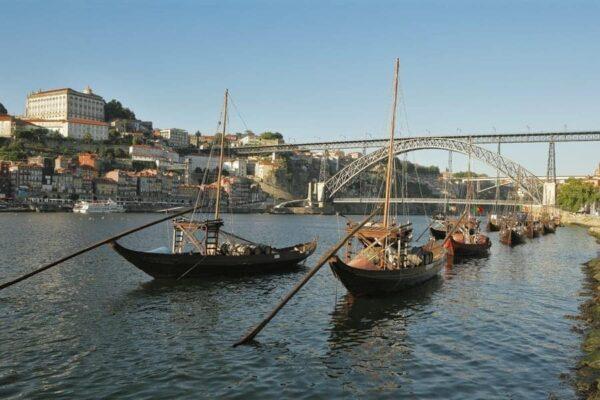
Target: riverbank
column 588, row 370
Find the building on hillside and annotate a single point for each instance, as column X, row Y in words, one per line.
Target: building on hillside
column 237, row 167
column 9, row 125
column 89, row 159
column 71, row 113
column 142, row 152
column 61, row 162
column 354, row 155
column 266, row 170
column 242, row 191
column 105, row 188
column 64, row 104
column 85, row 172
column 176, row 137
column 62, row 181
column 253, row 140
column 126, row 181
column 26, row 175
column 149, row 184
column 128, row 126
column 74, row 128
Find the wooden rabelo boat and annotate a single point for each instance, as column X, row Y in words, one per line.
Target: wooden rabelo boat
column 512, row 231
column 386, row 262
column 468, row 242
column 466, row 239
column 438, row 227
column 533, row 226
column 493, row 224
column 191, row 256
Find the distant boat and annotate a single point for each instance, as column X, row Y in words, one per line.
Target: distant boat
column 101, row 206
column 493, row 224
column 512, row 231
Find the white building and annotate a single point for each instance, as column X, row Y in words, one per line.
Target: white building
column 176, row 137
column 69, row 112
column 238, row 167
column 61, row 104
column 200, row 161
column 6, row 125
column 143, row 152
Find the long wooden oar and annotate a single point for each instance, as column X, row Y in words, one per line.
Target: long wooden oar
column 255, row 331
column 91, row 247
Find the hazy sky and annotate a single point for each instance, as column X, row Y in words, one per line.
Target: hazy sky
column 319, row 70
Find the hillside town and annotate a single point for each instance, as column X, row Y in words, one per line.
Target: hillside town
column 71, row 145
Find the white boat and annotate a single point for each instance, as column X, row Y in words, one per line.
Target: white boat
column 101, row 206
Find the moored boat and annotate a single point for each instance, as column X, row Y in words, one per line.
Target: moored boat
column 99, row 206
column 493, row 224
column 166, row 265
column 512, row 232
column 385, row 261
column 464, row 244
column 198, row 248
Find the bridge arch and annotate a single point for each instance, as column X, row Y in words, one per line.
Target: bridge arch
column 527, row 181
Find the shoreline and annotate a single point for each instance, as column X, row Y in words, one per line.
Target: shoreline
column 587, row 380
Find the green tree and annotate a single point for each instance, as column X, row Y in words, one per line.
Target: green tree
column 3, row 110
column 13, row 151
column 271, row 135
column 575, row 194
column 136, row 140
column 87, row 138
column 115, row 110
column 31, row 134
column 120, row 153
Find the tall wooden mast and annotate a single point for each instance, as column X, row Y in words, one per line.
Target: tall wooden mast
column 218, row 200
column 390, row 165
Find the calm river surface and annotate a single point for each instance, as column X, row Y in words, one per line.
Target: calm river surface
column 98, row 328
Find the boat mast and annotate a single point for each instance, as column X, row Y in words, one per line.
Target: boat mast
column 218, row 199
column 388, row 177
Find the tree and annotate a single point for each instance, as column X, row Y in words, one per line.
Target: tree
column 576, row 194
column 115, row 110
column 271, row 135
column 87, row 138
column 120, row 153
column 31, row 134
column 13, row 152
column 3, row 110
column 113, row 136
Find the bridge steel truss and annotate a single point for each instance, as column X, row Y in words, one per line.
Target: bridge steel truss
column 526, row 180
column 545, row 137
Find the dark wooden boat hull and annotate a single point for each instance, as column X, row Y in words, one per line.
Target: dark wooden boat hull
column 362, row 282
column 458, row 249
column 492, row 227
column 548, row 228
column 173, row 266
column 511, row 238
column 438, row 234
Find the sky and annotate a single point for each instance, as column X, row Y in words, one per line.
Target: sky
column 322, row 70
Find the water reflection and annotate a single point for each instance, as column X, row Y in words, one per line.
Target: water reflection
column 355, row 319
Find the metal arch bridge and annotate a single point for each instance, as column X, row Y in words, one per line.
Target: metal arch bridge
column 528, row 182
column 542, row 137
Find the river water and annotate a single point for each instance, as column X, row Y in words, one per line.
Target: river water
column 96, row 327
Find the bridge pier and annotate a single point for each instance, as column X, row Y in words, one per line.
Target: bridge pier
column 316, row 194
column 549, row 198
